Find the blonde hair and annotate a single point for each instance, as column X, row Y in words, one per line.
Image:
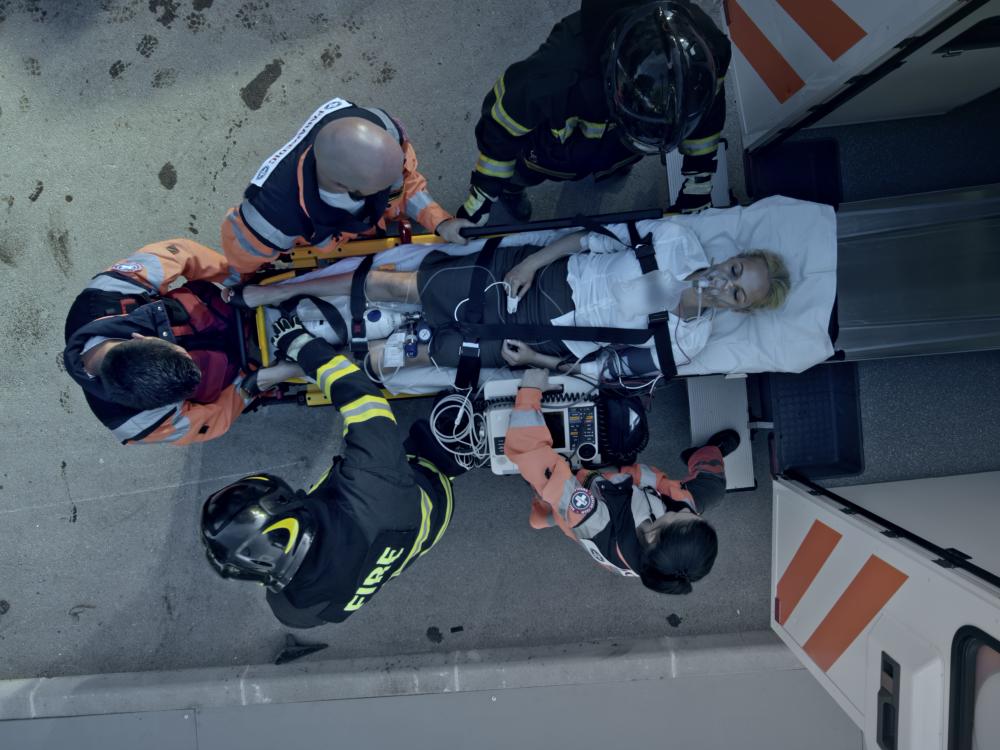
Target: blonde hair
column 778, row 276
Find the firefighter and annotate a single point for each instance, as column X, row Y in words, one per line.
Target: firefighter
column 324, row 553
column 160, row 365
column 635, row 521
column 613, row 82
column 348, row 171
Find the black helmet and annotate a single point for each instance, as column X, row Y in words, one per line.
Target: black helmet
column 660, row 78
column 257, row 529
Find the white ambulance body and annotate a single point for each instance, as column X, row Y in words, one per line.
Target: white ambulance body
column 901, row 628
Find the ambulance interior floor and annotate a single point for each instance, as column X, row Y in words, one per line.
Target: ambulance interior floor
column 124, row 125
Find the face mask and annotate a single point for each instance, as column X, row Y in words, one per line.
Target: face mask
column 343, row 201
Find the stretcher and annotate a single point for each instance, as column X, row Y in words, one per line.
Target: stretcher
column 790, row 339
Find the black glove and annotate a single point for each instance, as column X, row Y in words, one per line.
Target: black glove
column 289, row 338
column 476, row 207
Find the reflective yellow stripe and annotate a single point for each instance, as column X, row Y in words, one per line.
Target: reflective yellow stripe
column 291, row 525
column 593, row 129
column 364, row 408
column 320, row 481
column 493, row 167
column 333, row 371
column 700, row 146
column 425, row 528
column 449, row 498
column 507, row 122
column 366, row 415
column 589, row 129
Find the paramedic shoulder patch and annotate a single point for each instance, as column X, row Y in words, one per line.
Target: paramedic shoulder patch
column 581, row 501
column 127, row 267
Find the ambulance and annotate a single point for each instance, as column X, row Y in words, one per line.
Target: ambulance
column 889, row 594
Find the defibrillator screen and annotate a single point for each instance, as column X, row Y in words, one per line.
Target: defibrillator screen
column 556, row 423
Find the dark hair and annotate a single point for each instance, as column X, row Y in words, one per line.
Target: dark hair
column 145, row 374
column 685, row 552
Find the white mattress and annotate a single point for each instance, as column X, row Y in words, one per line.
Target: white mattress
column 790, row 339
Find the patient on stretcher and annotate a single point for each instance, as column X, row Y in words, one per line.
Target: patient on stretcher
column 580, row 279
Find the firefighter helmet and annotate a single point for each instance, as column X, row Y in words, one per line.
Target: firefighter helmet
column 660, row 77
column 257, row 529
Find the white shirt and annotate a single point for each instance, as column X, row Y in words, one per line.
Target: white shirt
column 597, row 277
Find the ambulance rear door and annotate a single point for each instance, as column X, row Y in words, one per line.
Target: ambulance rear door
column 903, row 634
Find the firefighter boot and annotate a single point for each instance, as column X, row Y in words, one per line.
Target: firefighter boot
column 726, row 441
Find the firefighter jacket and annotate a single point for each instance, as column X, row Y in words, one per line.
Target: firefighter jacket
column 132, row 297
column 549, row 113
column 282, row 207
column 377, row 509
column 603, row 521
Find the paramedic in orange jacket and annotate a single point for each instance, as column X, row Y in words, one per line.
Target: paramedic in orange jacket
column 348, row 171
column 159, row 365
column 636, row 521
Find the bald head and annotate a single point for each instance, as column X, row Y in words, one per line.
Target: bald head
column 354, row 155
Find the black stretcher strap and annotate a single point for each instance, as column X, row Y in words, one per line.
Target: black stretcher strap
column 358, row 339
column 330, row 313
column 469, row 363
column 659, row 323
column 498, row 331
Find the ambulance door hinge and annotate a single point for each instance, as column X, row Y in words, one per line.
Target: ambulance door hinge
column 951, row 557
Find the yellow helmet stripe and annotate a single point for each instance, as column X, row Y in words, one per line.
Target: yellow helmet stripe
column 291, row 525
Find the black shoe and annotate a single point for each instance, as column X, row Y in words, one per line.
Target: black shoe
column 725, row 440
column 517, row 204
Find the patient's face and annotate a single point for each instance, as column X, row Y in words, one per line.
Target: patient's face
column 737, row 283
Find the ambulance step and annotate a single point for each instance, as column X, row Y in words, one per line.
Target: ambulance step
column 718, row 403
column 817, row 421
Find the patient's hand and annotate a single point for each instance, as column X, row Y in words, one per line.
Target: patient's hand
column 519, row 278
column 518, row 354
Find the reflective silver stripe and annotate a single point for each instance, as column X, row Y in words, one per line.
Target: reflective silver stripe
column 646, row 477
column 603, row 561
column 417, row 203
column 244, row 242
column 154, row 268
column 700, row 146
column 111, row 284
column 181, row 426
column 274, row 159
column 499, row 114
column 526, row 418
column 256, row 221
column 368, row 403
column 593, row 129
column 142, row 421
column 595, row 522
column 569, row 487
column 327, row 376
column 386, row 121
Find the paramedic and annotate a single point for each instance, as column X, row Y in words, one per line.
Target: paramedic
column 348, row 171
column 580, row 279
column 325, row 553
column 635, row 521
column 158, row 365
column 614, row 82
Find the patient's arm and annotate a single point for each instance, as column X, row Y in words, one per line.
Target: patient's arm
column 518, row 354
column 521, row 276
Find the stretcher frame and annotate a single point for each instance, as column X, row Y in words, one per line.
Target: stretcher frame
column 304, row 259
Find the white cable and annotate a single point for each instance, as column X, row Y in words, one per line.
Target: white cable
column 471, row 439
